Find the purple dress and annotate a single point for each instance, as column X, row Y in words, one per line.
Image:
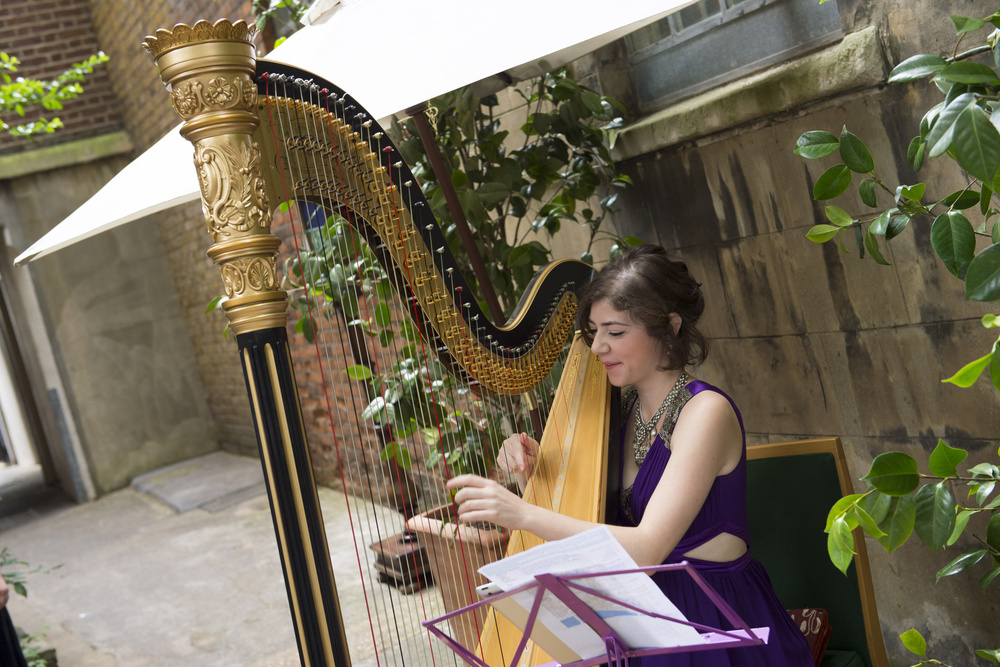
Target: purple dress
column 742, row 583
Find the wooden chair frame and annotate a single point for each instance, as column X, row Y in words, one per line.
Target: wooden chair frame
column 873, row 629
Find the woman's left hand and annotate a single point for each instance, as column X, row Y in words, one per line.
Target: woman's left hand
column 481, row 499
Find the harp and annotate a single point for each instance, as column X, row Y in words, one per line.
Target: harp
column 265, row 134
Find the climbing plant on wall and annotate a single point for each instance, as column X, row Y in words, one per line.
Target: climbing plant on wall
column 900, row 501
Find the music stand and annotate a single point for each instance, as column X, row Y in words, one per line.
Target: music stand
column 616, row 652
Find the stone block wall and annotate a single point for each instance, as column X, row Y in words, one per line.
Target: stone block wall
column 812, row 342
column 146, row 112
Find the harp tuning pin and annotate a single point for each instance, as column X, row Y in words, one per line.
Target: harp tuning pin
column 398, row 165
column 365, row 124
column 419, row 204
column 475, row 318
column 450, row 270
column 407, row 183
column 325, row 92
column 440, row 250
column 428, row 226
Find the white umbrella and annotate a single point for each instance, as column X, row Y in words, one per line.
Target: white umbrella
column 389, row 55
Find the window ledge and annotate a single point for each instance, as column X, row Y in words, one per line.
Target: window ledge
column 65, row 155
column 856, row 62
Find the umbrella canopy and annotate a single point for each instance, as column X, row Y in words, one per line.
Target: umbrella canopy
column 361, row 45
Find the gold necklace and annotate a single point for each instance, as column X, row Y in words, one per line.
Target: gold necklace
column 643, row 429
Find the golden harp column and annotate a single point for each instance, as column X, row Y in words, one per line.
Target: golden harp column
column 209, row 71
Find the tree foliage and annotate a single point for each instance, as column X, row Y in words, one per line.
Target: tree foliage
column 20, row 95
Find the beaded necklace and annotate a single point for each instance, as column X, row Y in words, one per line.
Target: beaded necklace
column 643, row 429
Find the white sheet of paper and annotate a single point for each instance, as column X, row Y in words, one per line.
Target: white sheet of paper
column 595, row 550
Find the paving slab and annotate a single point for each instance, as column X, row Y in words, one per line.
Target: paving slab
column 184, row 573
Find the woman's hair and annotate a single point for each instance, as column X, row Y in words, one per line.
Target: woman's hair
column 647, row 285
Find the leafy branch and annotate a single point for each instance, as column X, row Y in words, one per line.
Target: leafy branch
column 20, row 94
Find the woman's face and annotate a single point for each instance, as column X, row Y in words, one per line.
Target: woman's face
column 628, row 352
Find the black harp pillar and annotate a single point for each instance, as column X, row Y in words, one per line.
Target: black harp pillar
column 209, row 69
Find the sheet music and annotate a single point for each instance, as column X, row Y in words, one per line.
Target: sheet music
column 595, row 550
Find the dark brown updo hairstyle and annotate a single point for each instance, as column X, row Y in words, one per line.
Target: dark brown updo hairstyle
column 648, row 285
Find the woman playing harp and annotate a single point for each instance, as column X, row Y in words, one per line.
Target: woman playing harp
column 684, row 476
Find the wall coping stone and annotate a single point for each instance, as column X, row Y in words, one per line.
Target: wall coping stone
column 68, row 154
column 857, row 61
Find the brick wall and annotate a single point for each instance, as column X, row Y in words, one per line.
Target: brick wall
column 48, row 38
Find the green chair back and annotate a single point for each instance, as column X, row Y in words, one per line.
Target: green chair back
column 791, row 488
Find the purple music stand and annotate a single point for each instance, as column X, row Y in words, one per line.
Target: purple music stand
column 616, row 653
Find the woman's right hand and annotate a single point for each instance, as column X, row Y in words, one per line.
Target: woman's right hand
column 517, row 454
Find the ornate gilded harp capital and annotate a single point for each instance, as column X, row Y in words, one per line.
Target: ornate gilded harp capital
column 209, row 70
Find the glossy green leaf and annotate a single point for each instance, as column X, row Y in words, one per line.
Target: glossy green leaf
column 383, row 314
column 839, row 508
column 935, row 518
column 840, row 545
column 960, row 564
column 954, row 241
column 867, row 523
column 982, row 280
column 961, row 199
column 969, row 373
column 359, row 372
column 839, row 216
column 994, row 368
column 961, row 521
column 914, row 642
column 373, row 411
column 993, row 533
column 942, row 133
column 896, row 225
column 871, row 244
column 969, row 72
column 898, row 523
column 859, row 238
column 855, row 153
column 816, row 144
column 983, row 491
column 990, row 320
column 491, row 194
column 983, row 583
column 916, row 67
column 913, row 192
column 915, row 153
column 876, row 505
column 867, row 191
column 964, row 24
column 977, row 144
column 944, row 460
column 822, row 233
column 307, row 327
column 881, row 223
column 893, row 473
column 832, row 183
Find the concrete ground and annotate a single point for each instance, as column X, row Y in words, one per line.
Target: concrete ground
column 179, row 569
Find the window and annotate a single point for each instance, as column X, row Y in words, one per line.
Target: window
column 712, row 42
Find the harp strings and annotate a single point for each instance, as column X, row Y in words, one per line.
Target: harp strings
column 360, row 465
column 368, row 524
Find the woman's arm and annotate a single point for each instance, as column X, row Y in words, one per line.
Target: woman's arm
column 707, row 442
